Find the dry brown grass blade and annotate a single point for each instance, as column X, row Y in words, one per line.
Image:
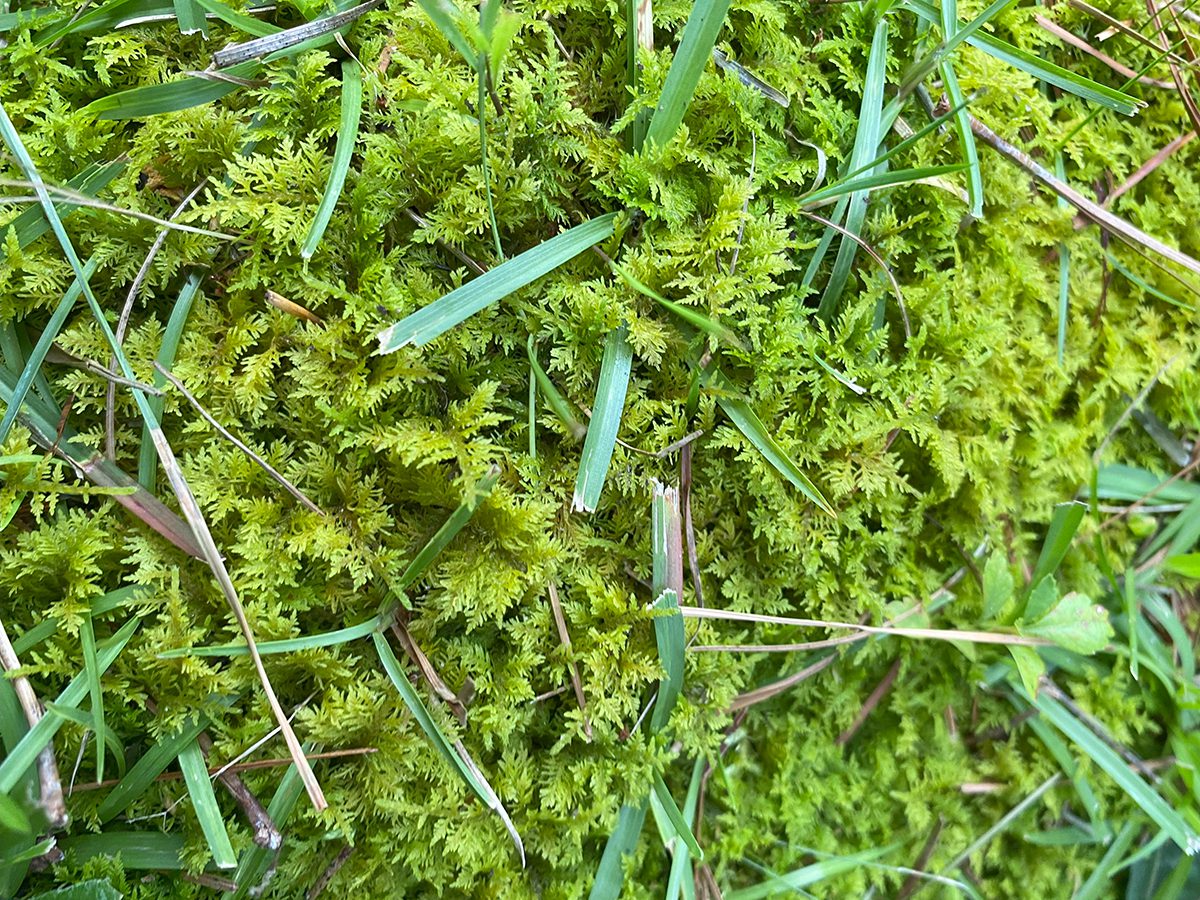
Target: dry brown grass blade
column 1121, row 28
column 1185, row 94
column 439, row 687
column 195, row 518
column 283, row 304
column 228, row 435
column 51, row 803
column 1094, row 211
column 560, row 622
column 872, row 701
column 1149, row 166
column 1080, row 44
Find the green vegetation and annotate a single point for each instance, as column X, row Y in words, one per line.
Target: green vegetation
column 606, row 449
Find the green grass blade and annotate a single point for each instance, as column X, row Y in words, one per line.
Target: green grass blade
column 1037, row 67
column 1100, row 881
column 752, row 428
column 240, row 21
column 866, row 144
column 693, row 317
column 204, row 802
column 557, row 402
column 172, row 335
column 352, row 95
column 966, row 139
column 865, row 183
column 102, row 605
column 681, row 878
column 289, row 645
column 107, row 737
column 34, row 362
column 450, row 528
column 457, row 759
column 1145, row 285
column 670, row 638
column 695, row 49
column 610, row 874
column 682, row 831
column 14, row 766
column 190, row 16
column 460, row 304
column 170, row 96
column 105, row 17
column 137, row 849
column 799, row 879
column 606, row 420
column 152, row 764
column 1063, row 525
column 444, row 16
column 91, row 668
column 32, row 223
column 1151, row 803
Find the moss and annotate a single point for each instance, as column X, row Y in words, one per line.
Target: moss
column 967, row 431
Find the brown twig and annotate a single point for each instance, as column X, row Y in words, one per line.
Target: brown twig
column 1080, row 44
column 110, row 396
column 449, row 248
column 913, row 882
column 327, row 876
column 52, row 803
column 265, row 833
column 868, row 707
column 228, row 435
column 564, row 637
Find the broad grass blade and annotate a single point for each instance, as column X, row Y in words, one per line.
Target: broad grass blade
column 171, row 96
column 190, row 16
column 610, row 874
column 695, row 49
column 352, row 94
column 460, row 304
column 1063, row 525
column 601, row 437
column 204, row 802
column 240, row 21
column 137, row 849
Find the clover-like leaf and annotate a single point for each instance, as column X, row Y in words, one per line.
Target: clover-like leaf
column 997, row 586
column 1075, row 623
column 1030, row 666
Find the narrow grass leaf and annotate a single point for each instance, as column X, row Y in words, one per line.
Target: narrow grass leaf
column 752, row 428
column 966, row 139
column 671, row 640
column 681, row 877
column 137, row 849
column 601, row 439
column 1121, row 482
column 101, row 605
column 204, row 802
column 679, row 826
column 1063, row 525
column 32, row 223
column 458, row 760
column 693, row 317
column 289, row 645
column 882, row 179
column 1151, row 803
column 695, row 49
column 450, row 528
column 107, row 737
column 797, row 880
column 460, row 304
column 557, row 402
column 352, row 94
column 240, row 21
column 172, row 96
column 25, row 753
column 34, row 362
column 445, row 17
column 1099, row 882
column 152, row 764
column 610, row 874
column 91, row 667
column 1146, row 286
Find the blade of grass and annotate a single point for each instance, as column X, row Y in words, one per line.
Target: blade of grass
column 151, row 764
column 24, row 755
column 458, row 760
column 137, row 849
column 444, row 16
column 172, row 96
column 32, row 224
column 610, row 874
column 681, row 865
column 107, row 737
column 460, row 304
column 1099, row 882
column 601, row 439
column 289, row 645
column 34, row 362
column 867, row 139
column 91, row 667
column 556, row 400
column 450, row 528
column 1145, row 285
column 240, row 21
column 670, row 638
column 101, row 605
column 679, row 825
column 204, row 802
column 799, row 879
column 1151, row 803
column 966, row 140
column 695, row 49
column 752, row 428
column 1063, row 525
column 179, row 486
column 693, row 317
column 352, row 94
column 865, row 183
column 190, row 17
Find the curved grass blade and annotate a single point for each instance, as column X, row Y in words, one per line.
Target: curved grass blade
column 25, row 754
column 610, row 874
column 32, row 224
column 556, row 400
column 799, row 879
column 204, row 802
column 105, row 603
column 152, row 764
column 457, row 758
column 678, row 823
column 693, row 317
column 450, row 528
column 240, row 21
column 33, row 364
column 752, row 428
column 601, row 437
column 1145, row 285
column 461, row 303
column 352, row 94
column 865, row 183
column 966, row 139
column 108, row 738
column 171, row 96
column 695, row 49
column 290, row 645
column 106, row 17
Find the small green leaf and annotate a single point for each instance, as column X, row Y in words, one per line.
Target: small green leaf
column 1185, row 564
column 1030, row 666
column 997, row 586
column 610, row 874
column 1041, row 600
column 1075, row 623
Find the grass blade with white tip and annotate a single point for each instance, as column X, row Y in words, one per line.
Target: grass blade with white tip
column 190, row 17
column 497, row 283
column 601, row 437
column 352, row 94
